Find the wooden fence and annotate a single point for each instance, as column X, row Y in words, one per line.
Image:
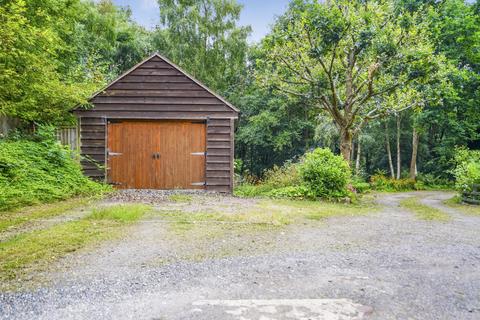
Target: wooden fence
column 7, row 124
column 69, row 137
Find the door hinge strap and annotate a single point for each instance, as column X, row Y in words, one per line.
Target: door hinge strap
column 198, row 153
column 113, row 154
column 199, row 184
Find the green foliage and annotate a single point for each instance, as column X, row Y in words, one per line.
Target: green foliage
column 292, row 192
column 277, row 182
column 204, row 38
column 349, row 59
column 382, row 183
column 467, row 170
column 324, row 174
column 320, row 174
column 55, row 54
column 36, row 172
column 284, row 176
column 360, row 186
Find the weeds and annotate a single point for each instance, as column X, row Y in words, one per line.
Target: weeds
column 37, row 249
column 456, row 203
column 422, row 211
column 178, row 197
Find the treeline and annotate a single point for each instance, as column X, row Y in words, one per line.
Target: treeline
column 392, row 85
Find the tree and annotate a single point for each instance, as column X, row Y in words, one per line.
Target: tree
column 345, row 57
column 203, row 37
column 33, row 87
column 55, row 54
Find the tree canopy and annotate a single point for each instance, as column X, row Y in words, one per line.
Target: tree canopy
column 393, row 85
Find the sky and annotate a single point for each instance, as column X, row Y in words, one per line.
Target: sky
column 259, row 14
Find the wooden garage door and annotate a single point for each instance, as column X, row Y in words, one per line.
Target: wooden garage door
column 156, row 155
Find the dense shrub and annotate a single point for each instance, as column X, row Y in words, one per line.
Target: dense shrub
column 40, row 171
column 467, row 170
column 324, row 174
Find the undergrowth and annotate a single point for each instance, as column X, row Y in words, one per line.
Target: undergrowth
column 40, row 170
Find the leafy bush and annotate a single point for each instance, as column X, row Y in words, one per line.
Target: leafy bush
column 320, row 174
column 35, row 172
column 324, row 174
column 467, row 170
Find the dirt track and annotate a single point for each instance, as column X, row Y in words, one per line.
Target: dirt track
column 385, row 265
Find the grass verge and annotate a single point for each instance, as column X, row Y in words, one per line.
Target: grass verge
column 422, row 211
column 456, row 203
column 18, row 217
column 33, row 251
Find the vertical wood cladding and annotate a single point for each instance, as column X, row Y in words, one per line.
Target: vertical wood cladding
column 156, row 89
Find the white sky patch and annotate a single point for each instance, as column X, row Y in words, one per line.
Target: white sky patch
column 148, row 4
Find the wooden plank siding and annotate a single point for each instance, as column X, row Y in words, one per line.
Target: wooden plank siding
column 158, row 90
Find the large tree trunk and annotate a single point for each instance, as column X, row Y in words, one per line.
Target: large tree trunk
column 357, row 162
column 389, row 151
column 346, row 144
column 399, row 160
column 413, row 162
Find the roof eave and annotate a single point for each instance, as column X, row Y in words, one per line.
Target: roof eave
column 156, row 54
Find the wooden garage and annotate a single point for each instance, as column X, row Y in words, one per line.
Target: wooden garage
column 156, row 127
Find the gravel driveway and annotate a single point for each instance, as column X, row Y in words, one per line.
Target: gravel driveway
column 385, row 265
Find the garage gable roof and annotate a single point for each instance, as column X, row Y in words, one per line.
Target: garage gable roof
column 173, row 65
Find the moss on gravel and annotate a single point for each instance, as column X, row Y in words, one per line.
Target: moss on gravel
column 33, row 251
column 264, row 214
column 423, row 211
column 456, row 203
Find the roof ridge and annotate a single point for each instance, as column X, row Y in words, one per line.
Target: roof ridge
column 157, row 54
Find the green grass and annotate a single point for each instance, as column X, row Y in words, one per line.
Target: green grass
column 18, row 217
column 422, row 211
column 456, row 203
column 120, row 213
column 180, row 198
column 267, row 213
column 35, row 250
